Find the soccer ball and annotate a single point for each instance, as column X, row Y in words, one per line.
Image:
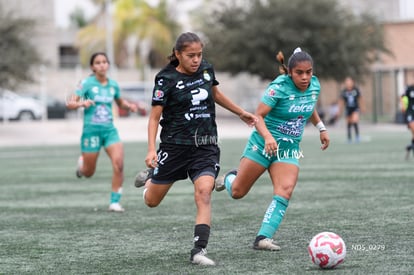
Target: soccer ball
column 327, row 250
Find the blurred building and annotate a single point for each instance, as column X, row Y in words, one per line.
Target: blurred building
column 385, row 10
column 387, row 80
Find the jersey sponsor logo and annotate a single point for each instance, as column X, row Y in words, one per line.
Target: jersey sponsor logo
column 180, row 85
column 190, row 116
column 199, row 95
column 158, row 95
column 302, row 108
column 198, row 82
column 271, row 92
column 103, row 99
column 293, row 127
column 101, row 115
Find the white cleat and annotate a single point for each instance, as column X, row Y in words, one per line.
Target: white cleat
column 201, row 259
column 266, row 244
column 116, row 207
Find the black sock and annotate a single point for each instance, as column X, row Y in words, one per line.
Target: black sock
column 201, row 235
column 356, row 129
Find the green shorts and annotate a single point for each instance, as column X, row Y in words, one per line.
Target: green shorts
column 288, row 151
column 93, row 140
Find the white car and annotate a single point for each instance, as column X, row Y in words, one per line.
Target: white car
column 16, row 107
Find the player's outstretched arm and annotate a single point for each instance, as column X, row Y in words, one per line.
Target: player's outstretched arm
column 225, row 102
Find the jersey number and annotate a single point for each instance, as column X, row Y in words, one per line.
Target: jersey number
column 162, row 156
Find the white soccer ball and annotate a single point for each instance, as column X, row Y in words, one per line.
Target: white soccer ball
column 327, row 250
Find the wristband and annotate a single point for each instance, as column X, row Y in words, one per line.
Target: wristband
column 321, row 127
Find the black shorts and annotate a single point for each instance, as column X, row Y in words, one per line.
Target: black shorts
column 177, row 162
column 350, row 110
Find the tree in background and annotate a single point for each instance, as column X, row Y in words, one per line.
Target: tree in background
column 143, row 34
column 18, row 55
column 246, row 35
column 78, row 18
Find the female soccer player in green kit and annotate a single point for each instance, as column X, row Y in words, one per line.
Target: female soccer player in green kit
column 287, row 104
column 96, row 94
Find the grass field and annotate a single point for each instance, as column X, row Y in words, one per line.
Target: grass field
column 53, row 223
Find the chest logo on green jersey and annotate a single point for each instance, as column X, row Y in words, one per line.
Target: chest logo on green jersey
column 301, row 108
column 293, row 127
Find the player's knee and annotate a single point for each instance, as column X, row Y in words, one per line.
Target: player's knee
column 151, row 202
column 203, row 196
column 88, row 173
column 118, row 166
column 237, row 193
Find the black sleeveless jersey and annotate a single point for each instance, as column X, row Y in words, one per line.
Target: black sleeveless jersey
column 189, row 114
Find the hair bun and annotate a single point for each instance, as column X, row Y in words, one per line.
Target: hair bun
column 297, row 50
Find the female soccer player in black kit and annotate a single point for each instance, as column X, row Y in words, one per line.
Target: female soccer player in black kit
column 183, row 104
column 407, row 103
column 352, row 101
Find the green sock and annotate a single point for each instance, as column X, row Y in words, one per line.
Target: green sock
column 273, row 216
column 228, row 181
column 115, row 197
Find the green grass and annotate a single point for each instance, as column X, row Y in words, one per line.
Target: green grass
column 53, row 223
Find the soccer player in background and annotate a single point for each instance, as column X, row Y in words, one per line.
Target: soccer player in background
column 287, row 104
column 96, row 94
column 183, row 104
column 407, row 105
column 351, row 102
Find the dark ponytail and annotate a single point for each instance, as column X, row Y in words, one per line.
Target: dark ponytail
column 297, row 56
column 281, row 59
column 173, row 59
